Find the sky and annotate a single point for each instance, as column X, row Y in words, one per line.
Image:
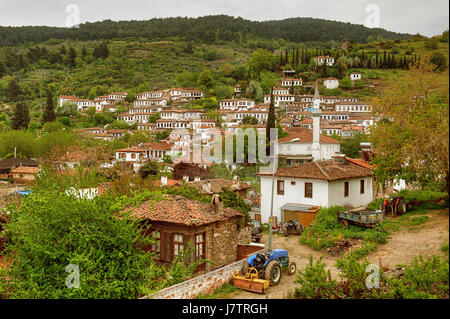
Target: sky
column 428, row 17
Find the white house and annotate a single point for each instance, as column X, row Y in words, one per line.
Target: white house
column 288, row 82
column 236, row 104
column 329, row 60
column 355, row 76
column 331, row 83
column 323, row 183
column 353, row 107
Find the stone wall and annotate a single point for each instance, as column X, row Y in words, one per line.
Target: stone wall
column 203, row 284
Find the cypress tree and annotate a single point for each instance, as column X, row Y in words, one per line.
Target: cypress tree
column 271, row 119
column 14, row 90
column 71, row 56
column 2, row 69
column 21, row 117
column 49, row 112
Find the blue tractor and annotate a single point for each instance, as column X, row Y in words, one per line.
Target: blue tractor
column 268, row 266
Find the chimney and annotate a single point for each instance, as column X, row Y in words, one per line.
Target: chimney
column 339, row 159
column 218, row 205
column 366, row 151
column 207, row 187
column 163, row 180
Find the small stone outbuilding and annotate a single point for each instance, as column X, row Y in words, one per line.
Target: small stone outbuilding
column 212, row 231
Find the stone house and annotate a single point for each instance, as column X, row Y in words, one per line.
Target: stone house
column 9, row 164
column 210, row 230
column 23, row 174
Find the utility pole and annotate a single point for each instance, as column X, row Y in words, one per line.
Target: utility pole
column 274, row 158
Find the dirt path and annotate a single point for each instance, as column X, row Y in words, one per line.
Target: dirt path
column 401, row 247
column 405, row 244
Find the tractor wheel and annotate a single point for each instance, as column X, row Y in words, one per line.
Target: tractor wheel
column 292, row 268
column 273, row 272
column 401, row 207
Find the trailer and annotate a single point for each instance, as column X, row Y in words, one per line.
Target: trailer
column 364, row 218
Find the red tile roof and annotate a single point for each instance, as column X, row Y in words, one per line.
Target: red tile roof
column 183, row 211
column 323, row 170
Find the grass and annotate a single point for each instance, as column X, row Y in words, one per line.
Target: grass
column 326, row 231
column 223, row 292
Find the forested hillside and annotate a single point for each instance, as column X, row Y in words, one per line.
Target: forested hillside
column 208, row 29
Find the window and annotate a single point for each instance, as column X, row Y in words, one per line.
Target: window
column 178, row 244
column 156, row 247
column 308, row 190
column 292, row 183
column 280, row 187
column 361, row 186
column 200, row 246
column 346, row 189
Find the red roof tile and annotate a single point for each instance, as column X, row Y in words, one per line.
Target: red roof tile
column 181, row 210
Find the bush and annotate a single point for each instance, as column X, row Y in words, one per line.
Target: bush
column 422, row 279
column 51, row 230
column 420, row 195
column 326, row 231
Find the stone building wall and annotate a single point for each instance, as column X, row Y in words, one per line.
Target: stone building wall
column 203, row 284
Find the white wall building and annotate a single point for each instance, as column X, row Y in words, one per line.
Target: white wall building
column 355, row 76
column 323, row 183
column 331, row 83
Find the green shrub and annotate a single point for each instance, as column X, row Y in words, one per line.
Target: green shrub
column 51, row 230
column 420, row 195
column 326, row 230
column 422, row 279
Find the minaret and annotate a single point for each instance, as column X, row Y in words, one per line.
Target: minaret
column 316, row 126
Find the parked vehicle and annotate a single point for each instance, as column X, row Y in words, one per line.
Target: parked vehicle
column 394, row 206
column 365, row 218
column 263, row 270
column 257, row 231
column 292, row 227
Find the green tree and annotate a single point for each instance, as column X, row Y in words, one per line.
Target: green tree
column 2, row 69
column 21, row 117
column 271, row 119
column 261, row 60
column 346, row 83
column 14, row 90
column 71, row 56
column 51, row 230
column 341, row 67
column 101, row 51
column 205, row 78
column 49, row 111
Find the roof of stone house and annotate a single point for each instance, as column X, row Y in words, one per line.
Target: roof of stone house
column 161, row 146
column 304, row 135
column 323, row 170
column 170, row 182
column 17, row 161
column 182, row 211
column 25, row 170
column 217, row 184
